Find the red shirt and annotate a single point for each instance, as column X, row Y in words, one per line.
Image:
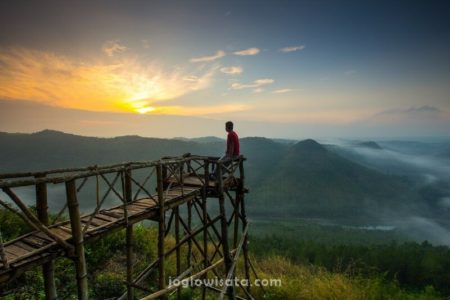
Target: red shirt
column 232, row 144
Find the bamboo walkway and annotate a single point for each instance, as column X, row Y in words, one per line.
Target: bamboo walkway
column 36, row 246
column 178, row 181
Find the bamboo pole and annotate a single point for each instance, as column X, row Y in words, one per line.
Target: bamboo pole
column 177, row 241
column 233, row 265
column 2, row 251
column 236, row 206
column 204, row 221
column 189, row 226
column 33, row 221
column 77, row 173
column 77, row 237
column 224, row 227
column 129, row 235
column 244, row 222
column 164, row 291
column 42, row 214
column 161, row 230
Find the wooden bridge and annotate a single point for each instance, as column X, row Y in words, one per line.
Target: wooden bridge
column 144, row 191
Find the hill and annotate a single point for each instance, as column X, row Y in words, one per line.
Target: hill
column 311, row 181
column 370, row 145
column 303, row 179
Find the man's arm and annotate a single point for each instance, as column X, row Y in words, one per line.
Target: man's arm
column 230, row 149
column 230, row 146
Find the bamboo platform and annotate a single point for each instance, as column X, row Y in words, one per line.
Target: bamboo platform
column 179, row 181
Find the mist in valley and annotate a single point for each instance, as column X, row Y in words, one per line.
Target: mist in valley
column 425, row 164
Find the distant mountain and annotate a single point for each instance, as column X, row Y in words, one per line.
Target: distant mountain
column 370, row 145
column 302, row 179
column 203, row 140
column 285, row 141
column 53, row 149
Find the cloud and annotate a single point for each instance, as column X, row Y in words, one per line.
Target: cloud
column 282, row 91
column 127, row 85
column 258, row 90
column 292, row 48
column 255, row 84
column 111, row 48
column 350, row 72
column 411, row 115
column 425, row 109
column 246, row 52
column 217, row 55
column 206, row 110
column 233, row 70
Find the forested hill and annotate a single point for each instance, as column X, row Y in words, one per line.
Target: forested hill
column 316, row 182
column 285, row 179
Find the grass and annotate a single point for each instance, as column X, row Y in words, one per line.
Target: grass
column 315, row 283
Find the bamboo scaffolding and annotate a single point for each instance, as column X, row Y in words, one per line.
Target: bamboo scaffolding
column 179, row 181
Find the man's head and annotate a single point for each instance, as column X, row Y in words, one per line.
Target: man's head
column 229, row 126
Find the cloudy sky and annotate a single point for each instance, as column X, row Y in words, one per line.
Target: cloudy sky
column 288, row 69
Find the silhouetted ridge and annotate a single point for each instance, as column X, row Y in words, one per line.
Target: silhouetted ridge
column 308, row 146
column 371, row 145
column 51, row 133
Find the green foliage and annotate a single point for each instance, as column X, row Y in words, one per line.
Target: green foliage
column 108, row 285
column 30, row 287
column 11, row 225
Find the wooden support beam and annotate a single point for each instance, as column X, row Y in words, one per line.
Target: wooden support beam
column 161, row 229
column 224, row 228
column 241, row 195
column 164, row 291
column 177, row 241
column 231, row 272
column 128, row 194
column 189, row 226
column 3, row 257
column 42, row 214
column 78, row 241
column 236, row 219
column 33, row 221
column 204, row 221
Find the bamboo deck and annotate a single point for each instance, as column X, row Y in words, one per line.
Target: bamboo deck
column 35, row 247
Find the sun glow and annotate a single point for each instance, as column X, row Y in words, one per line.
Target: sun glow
column 127, row 85
column 144, row 110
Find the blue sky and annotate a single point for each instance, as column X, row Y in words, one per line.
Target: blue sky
column 346, row 68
